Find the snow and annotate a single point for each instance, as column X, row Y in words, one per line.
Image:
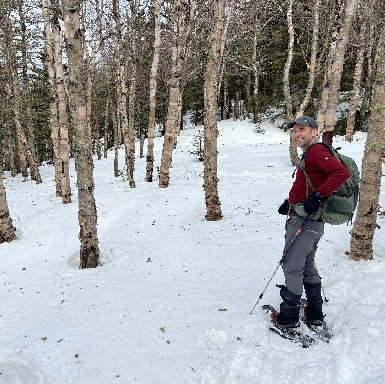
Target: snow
column 170, row 302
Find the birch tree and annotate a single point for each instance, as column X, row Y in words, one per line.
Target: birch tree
column 355, row 93
column 153, row 76
column 121, row 85
column 336, row 71
column 178, row 51
column 130, row 154
column 12, row 88
column 213, row 205
column 89, row 247
column 335, row 30
column 368, row 83
column 361, row 245
column 54, row 121
column 286, row 81
column 58, row 108
column 313, row 60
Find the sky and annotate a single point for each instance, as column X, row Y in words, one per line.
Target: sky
column 171, row 299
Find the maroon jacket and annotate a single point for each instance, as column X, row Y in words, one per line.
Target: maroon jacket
column 325, row 172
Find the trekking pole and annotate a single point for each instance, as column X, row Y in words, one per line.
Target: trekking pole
column 268, row 283
column 323, row 291
column 276, row 269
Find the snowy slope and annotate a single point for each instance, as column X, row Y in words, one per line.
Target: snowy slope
column 171, row 302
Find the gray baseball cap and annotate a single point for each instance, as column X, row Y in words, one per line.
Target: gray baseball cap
column 304, row 120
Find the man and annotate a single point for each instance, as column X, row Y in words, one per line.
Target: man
column 304, row 228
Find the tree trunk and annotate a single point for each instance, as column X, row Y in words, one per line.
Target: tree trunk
column 130, row 155
column 14, row 97
column 256, row 68
column 121, row 81
column 54, row 121
column 313, row 60
column 365, row 223
column 7, row 230
column 225, row 100
column 356, row 87
column 174, row 107
column 336, row 72
column 364, row 110
column 26, row 111
column 153, row 76
column 8, row 149
column 13, row 94
column 237, row 105
column 89, row 248
column 337, row 11
column 173, row 122
column 286, row 82
column 222, row 62
column 105, row 132
column 62, row 112
column 117, row 135
column 213, row 205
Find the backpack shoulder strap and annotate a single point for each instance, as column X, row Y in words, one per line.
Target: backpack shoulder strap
column 302, row 163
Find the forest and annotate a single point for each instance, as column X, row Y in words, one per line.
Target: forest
column 79, row 78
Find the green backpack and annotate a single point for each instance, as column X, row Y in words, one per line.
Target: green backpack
column 339, row 207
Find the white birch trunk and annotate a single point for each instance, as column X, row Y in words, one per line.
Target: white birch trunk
column 286, row 82
column 54, row 121
column 213, row 205
column 153, row 87
column 336, row 73
column 313, row 60
column 87, row 215
column 62, row 114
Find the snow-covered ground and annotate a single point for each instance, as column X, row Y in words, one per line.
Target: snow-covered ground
column 170, row 302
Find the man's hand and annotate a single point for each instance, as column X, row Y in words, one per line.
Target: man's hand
column 284, row 207
column 312, row 202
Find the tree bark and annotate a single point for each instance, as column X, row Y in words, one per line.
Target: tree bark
column 7, row 230
column 180, row 34
column 256, row 67
column 62, row 111
column 54, row 121
column 286, row 82
column 89, row 248
column 213, row 205
column 355, row 94
column 365, row 223
column 173, row 118
column 12, row 88
column 336, row 72
column 13, row 94
column 26, row 111
column 105, row 131
column 313, row 60
column 121, row 82
column 130, row 154
column 364, row 110
column 117, row 142
column 336, row 30
column 153, row 77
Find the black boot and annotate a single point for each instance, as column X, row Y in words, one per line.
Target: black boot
column 289, row 309
column 314, row 303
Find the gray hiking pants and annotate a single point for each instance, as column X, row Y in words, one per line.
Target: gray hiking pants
column 298, row 265
column 301, row 240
